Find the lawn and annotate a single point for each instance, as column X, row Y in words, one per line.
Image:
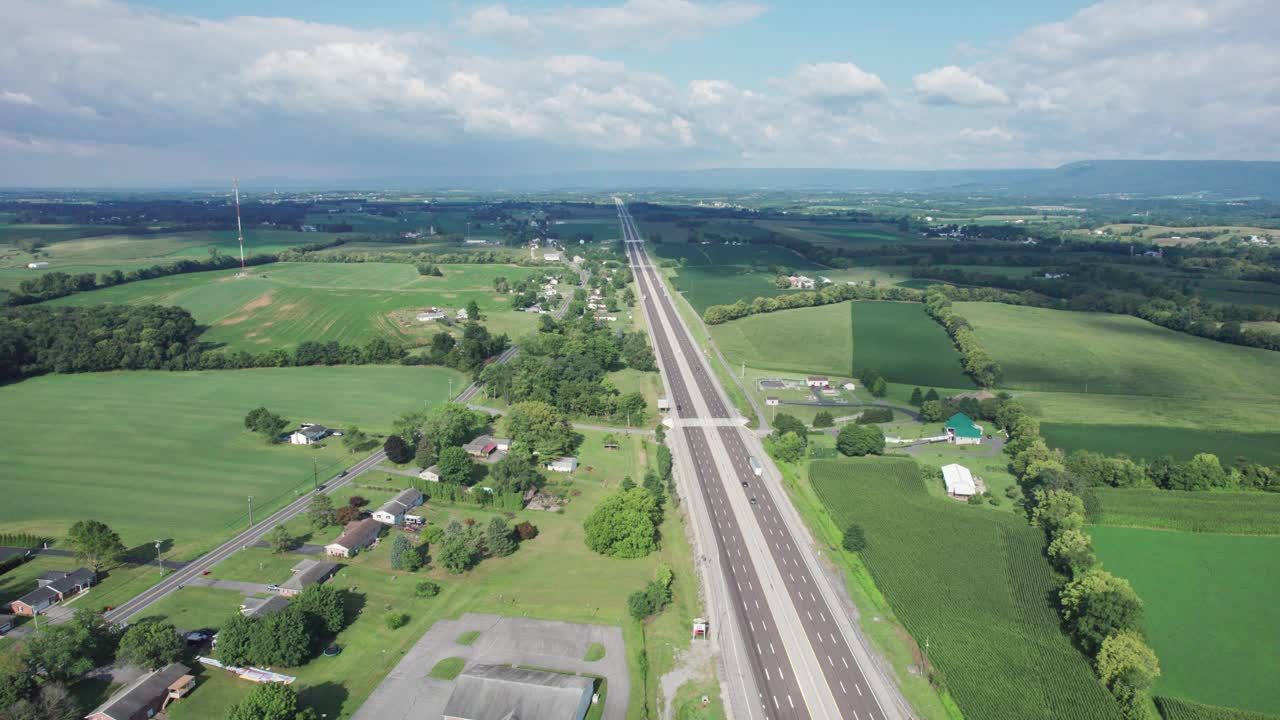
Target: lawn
column 194, row 607
column 283, row 304
column 971, row 583
column 904, row 345
column 588, row 588
column 181, row 466
column 817, row 340
column 1236, row 513
column 1210, row 610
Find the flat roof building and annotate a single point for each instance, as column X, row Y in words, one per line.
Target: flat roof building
column 496, row 692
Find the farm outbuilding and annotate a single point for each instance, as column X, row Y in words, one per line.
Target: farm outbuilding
column 494, row 692
column 962, row 430
column 818, row 381
column 564, row 464
column 959, row 481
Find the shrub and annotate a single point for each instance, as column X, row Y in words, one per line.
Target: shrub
column 526, row 531
column 854, row 540
column 427, row 589
column 395, row 620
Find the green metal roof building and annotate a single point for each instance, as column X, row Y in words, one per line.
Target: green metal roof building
column 962, row 430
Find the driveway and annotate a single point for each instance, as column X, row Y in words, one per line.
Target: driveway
column 408, row 693
column 244, row 588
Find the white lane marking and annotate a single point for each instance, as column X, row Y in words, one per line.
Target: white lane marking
column 793, row 705
column 842, row 689
column 833, row 638
column 858, row 687
column 846, row 663
column 829, row 661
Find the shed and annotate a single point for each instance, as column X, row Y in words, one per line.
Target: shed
column 147, row 695
column 959, row 481
column 564, row 464
column 431, row 474
column 497, row 692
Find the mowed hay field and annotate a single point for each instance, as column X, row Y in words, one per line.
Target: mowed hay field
column 283, row 304
column 721, row 274
column 805, row 340
column 972, row 582
column 1095, row 369
column 1210, row 604
column 165, row 455
column 904, row 345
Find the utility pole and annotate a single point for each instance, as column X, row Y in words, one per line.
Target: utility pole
column 315, row 475
column 250, row 511
column 159, row 561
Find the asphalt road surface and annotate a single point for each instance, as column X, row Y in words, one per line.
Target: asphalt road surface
column 802, row 664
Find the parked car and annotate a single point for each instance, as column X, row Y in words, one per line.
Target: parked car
column 273, row 586
column 206, row 572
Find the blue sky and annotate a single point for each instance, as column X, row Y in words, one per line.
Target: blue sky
column 182, row 91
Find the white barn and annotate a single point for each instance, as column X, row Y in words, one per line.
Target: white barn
column 959, row 481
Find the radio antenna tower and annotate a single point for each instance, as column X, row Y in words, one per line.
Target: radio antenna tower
column 239, row 229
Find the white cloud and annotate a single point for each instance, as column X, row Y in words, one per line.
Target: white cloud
column 993, row 135
column 651, row 22
column 951, row 85
column 499, row 23
column 17, row 98
column 834, row 84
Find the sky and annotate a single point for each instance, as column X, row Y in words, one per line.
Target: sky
column 156, row 93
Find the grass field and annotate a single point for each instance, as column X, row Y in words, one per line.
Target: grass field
column 588, row 588
column 901, row 342
column 1087, row 373
column 1232, row 513
column 1175, row 709
column 283, row 304
column 718, row 274
column 815, row 340
column 1210, row 610
column 972, row 582
column 165, row 455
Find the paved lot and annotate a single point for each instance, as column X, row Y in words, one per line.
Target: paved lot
column 408, row 693
column 244, row 588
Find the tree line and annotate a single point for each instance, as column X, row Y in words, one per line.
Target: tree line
column 974, row 358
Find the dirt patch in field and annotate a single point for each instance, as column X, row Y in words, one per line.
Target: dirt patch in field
column 500, row 298
column 247, row 309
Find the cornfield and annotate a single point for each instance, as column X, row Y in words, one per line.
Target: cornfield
column 972, row 586
column 1174, row 709
column 1231, row 513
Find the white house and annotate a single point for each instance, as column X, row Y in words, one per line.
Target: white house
column 959, row 481
column 848, row 385
column 552, row 257
column 817, row 381
column 393, row 511
column 463, row 315
column 308, row 434
column 1055, row 275
column 801, row 282
column 37, row 265
column 431, row 474
column 564, row 464
column 431, row 315
column 355, row 537
column 771, row 400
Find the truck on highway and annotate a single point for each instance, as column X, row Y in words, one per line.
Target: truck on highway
column 756, row 467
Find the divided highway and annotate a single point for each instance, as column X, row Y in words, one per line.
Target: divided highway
column 799, row 652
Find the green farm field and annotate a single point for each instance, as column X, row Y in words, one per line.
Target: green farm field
column 816, row 340
column 1148, row 442
column 901, row 342
column 971, row 581
column 1233, row 513
column 1210, row 609
column 283, row 304
column 165, row 455
column 717, row 273
column 1176, row 709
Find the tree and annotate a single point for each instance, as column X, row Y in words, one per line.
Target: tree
column 1057, row 510
column 53, row 701
column 151, row 645
column 526, row 531
column 346, row 514
column 1202, row 472
column 473, row 311
column 823, row 419
column 455, row 466
column 788, row 448
column 353, row 438
column 397, row 450
column 1072, row 551
column 320, row 511
column 917, row 397
column 455, row 553
column 859, row 440
column 235, row 638
column 1097, row 604
column 624, row 524
column 784, row 423
column 854, row 539
column 64, row 652
column 540, row 427
column 1128, row 668
column 95, row 544
column 267, row 701
column 280, row 539
column 425, row 456
column 395, row 620
column 265, row 423
column 17, row 681
column 426, row 589
column 323, row 606
column 449, row 424
column 516, row 472
column 404, row 556
column 497, row 538
column 281, row 638
column 931, row 411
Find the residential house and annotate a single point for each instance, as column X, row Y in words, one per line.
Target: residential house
column 431, row 474
column 499, row 692
column 771, row 401
column 800, row 282
column 393, row 511
column 606, row 316
column 552, row 257
column 578, row 259
column 484, row 447
column 564, row 464
column 53, row 586
column 252, row 607
column 307, row 573
column 959, row 481
column 148, row 695
column 1056, row 275
column 308, row 435
column 431, row 315
column 961, row 430
column 358, row 535
column 848, row 385
column 818, row 381
column 37, row 265
column 462, row 315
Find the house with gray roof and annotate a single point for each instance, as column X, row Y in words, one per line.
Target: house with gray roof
column 252, row 607
column 497, row 692
column 148, row 695
column 53, row 586
column 393, row 511
column 307, row 573
column 357, row 536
